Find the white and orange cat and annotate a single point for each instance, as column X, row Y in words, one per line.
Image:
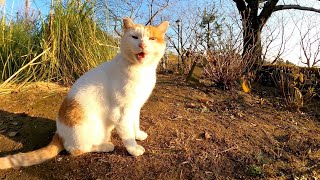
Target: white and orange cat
column 107, row 97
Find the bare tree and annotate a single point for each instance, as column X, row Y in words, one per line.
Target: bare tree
column 274, row 40
column 254, row 15
column 159, row 5
column 310, row 45
column 114, row 10
column 198, row 31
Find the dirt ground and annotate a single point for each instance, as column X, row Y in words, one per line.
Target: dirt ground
column 195, row 132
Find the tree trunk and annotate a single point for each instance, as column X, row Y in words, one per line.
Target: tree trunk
column 252, row 50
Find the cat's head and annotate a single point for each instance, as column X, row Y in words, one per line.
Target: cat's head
column 143, row 44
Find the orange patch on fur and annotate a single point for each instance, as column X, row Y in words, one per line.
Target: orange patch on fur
column 70, row 112
column 156, row 33
column 76, row 152
column 33, row 157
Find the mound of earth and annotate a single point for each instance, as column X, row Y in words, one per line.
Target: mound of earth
column 195, row 132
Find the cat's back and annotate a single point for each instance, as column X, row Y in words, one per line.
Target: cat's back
column 95, row 80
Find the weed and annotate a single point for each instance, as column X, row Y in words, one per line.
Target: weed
column 255, row 171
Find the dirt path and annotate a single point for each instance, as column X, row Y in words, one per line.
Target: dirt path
column 194, row 133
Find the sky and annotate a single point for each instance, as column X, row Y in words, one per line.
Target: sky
column 13, row 6
column 286, row 24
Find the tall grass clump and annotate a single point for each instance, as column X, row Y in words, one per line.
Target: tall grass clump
column 76, row 41
column 59, row 48
column 18, row 45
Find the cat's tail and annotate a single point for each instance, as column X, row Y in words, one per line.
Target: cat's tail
column 33, row 157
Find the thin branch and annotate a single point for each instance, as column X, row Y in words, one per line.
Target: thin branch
column 298, row 7
column 267, row 10
column 157, row 12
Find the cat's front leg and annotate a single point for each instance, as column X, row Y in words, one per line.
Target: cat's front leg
column 126, row 131
column 140, row 135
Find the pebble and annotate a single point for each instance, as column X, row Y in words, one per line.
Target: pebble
column 12, row 133
column 207, row 135
column 14, row 123
column 191, row 105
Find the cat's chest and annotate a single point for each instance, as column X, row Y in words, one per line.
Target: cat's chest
column 134, row 89
column 139, row 85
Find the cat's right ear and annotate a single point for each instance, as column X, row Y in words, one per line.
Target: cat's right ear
column 128, row 23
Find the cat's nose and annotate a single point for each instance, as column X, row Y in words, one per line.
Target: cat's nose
column 142, row 45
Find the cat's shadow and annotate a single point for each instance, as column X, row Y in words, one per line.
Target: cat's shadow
column 24, row 133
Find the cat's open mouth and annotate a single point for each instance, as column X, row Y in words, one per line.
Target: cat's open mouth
column 141, row 55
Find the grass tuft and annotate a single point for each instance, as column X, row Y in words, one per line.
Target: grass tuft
column 60, row 47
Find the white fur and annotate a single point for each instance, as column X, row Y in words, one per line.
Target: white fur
column 112, row 95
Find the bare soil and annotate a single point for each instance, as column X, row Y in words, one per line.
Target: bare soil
column 195, row 132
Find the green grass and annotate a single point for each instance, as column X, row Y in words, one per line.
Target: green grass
column 60, row 47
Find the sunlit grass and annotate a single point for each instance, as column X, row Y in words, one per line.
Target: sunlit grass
column 60, row 47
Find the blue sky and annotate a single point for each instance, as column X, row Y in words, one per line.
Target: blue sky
column 293, row 21
column 13, row 6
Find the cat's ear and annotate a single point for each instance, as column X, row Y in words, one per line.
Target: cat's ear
column 128, row 23
column 163, row 26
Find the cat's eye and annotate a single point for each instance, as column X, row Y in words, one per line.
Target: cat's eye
column 152, row 38
column 135, row 37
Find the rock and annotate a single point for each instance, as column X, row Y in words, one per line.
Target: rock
column 240, row 114
column 207, row 135
column 12, row 133
column 191, row 105
column 14, row 123
column 204, row 109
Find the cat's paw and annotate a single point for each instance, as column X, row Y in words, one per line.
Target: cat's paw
column 141, row 135
column 136, row 150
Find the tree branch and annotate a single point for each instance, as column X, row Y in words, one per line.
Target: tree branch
column 158, row 11
column 293, row 6
column 241, row 6
column 267, row 10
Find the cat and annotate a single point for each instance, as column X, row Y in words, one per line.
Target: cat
column 107, row 97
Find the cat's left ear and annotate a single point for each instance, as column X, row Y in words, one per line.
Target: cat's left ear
column 128, row 23
column 163, row 26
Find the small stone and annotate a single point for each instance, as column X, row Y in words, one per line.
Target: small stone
column 239, row 114
column 191, row 105
column 59, row 159
column 14, row 123
column 204, row 109
column 12, row 133
column 207, row 135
